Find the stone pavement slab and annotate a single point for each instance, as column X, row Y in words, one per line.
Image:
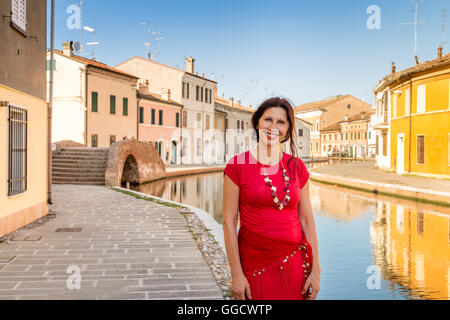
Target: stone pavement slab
column 109, row 246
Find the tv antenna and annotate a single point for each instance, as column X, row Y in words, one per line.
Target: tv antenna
column 443, row 43
column 415, row 23
column 148, row 44
column 159, row 38
column 93, row 42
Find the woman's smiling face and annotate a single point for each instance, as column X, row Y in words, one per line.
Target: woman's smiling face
column 273, row 125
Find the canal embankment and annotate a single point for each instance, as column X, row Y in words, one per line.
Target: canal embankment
column 364, row 176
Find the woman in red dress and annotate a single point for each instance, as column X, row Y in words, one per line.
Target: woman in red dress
column 275, row 249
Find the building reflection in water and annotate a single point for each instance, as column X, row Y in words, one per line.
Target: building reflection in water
column 411, row 245
column 408, row 241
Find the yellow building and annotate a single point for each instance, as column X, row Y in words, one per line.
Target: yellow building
column 23, row 115
column 420, row 118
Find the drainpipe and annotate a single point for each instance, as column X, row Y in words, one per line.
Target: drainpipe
column 137, row 117
column 86, row 105
column 225, row 138
column 410, row 120
column 181, row 134
column 50, row 106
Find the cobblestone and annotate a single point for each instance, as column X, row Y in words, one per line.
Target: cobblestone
column 127, row 248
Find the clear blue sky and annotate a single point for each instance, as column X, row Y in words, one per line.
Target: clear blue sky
column 301, row 49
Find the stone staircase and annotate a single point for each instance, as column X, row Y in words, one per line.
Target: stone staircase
column 80, row 166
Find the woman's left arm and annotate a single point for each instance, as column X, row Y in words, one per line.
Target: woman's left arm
column 308, row 223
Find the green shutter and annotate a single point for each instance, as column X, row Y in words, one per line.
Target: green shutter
column 112, row 104
column 94, row 101
column 141, row 115
column 125, row 106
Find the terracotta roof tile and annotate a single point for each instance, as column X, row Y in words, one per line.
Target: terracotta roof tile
column 96, row 64
column 422, row 67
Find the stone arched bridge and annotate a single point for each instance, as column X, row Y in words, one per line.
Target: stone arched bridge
column 133, row 161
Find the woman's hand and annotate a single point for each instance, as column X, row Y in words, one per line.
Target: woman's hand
column 240, row 288
column 312, row 281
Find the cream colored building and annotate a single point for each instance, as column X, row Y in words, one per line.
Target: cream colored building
column 23, row 115
column 324, row 113
column 238, row 127
column 194, row 92
column 93, row 104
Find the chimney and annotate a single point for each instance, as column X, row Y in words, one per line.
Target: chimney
column 231, row 101
column 239, row 103
column 393, row 67
column 203, row 75
column 143, row 86
column 190, row 64
column 165, row 94
column 250, row 106
column 68, row 48
column 440, row 53
column 215, row 92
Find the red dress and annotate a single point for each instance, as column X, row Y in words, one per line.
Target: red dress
column 271, row 242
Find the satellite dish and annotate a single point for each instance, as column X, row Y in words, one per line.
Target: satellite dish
column 77, row 47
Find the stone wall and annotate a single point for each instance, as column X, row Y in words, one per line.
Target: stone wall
column 133, row 161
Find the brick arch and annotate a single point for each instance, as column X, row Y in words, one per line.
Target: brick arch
column 133, row 161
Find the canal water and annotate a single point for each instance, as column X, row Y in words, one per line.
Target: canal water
column 370, row 247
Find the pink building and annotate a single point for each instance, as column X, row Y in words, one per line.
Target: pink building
column 160, row 122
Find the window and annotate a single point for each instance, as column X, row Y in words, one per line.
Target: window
column 359, row 135
column 17, row 150
column 300, row 132
column 317, row 146
column 201, row 94
column 197, row 93
column 324, row 137
column 199, row 121
column 349, row 106
column 19, row 14
column 395, row 105
column 420, row 222
column 112, row 139
column 238, row 125
column 199, row 147
column 94, row 101
column 420, row 149
column 384, row 144
column 177, row 120
column 153, row 116
column 184, row 119
column 207, row 122
column 365, row 135
column 317, row 125
column 185, row 90
column 407, row 108
column 94, row 141
column 125, row 106
column 421, row 98
column 160, row 117
column 112, row 104
column 141, row 115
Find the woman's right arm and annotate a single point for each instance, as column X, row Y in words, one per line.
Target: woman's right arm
column 230, row 207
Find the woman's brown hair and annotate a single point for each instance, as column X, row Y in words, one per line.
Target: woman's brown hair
column 287, row 106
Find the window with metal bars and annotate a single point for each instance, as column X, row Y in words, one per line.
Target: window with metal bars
column 17, row 150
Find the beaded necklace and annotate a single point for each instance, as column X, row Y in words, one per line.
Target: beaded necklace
column 277, row 203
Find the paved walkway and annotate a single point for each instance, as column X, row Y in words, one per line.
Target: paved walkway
column 126, row 249
column 364, row 171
